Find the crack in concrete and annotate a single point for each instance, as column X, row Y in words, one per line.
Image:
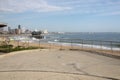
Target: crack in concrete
column 86, row 74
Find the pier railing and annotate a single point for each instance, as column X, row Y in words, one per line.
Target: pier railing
column 110, row 47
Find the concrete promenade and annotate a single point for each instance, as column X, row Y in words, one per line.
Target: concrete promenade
column 58, row 65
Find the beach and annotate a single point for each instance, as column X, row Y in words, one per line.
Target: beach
column 26, row 41
column 45, row 64
column 96, row 42
column 57, row 61
column 106, row 52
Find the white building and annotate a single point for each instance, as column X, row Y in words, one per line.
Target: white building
column 45, row 31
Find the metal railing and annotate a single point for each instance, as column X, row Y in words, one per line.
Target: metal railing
column 72, row 44
column 91, row 45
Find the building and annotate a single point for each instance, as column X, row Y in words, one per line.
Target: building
column 2, row 25
column 15, row 31
column 19, row 26
column 19, row 30
column 45, row 31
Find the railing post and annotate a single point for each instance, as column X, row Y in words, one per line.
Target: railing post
column 49, row 46
column 82, row 44
column 111, row 46
column 39, row 43
column 28, row 43
column 91, row 43
column 101, row 45
column 71, row 45
column 119, row 48
column 60, row 44
column 9, row 47
column 18, row 44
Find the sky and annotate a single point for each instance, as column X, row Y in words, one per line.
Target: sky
column 62, row 15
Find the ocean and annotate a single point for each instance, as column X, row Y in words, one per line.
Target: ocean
column 103, row 36
column 107, row 40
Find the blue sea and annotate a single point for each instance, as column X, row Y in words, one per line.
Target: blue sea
column 107, row 40
column 103, row 36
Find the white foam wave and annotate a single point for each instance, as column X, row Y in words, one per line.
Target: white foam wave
column 86, row 45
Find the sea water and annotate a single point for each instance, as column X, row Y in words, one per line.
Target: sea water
column 104, row 36
column 85, row 39
column 107, row 40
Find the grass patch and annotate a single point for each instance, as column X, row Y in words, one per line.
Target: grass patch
column 6, row 46
column 10, row 48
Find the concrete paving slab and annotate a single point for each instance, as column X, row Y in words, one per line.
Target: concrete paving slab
column 60, row 65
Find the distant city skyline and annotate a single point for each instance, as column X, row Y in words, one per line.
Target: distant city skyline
column 62, row 15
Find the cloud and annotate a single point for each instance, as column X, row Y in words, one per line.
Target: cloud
column 91, row 6
column 28, row 5
column 70, row 6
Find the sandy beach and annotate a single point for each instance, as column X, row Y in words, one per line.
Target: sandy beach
column 63, row 47
column 45, row 64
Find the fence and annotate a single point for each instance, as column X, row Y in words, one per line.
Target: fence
column 72, row 44
column 93, row 45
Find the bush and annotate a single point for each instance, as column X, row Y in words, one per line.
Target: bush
column 9, row 48
column 6, row 46
column 19, row 48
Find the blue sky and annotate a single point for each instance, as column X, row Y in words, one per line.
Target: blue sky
column 62, row 15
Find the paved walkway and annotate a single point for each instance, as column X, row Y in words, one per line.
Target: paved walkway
column 58, row 65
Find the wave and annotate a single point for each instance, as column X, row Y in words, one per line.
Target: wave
column 64, row 43
column 85, row 45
